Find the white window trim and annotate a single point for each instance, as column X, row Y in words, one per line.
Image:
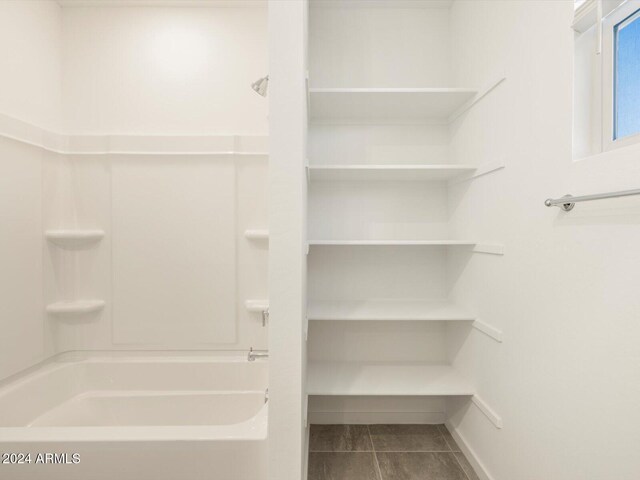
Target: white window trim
column 585, row 15
column 608, row 76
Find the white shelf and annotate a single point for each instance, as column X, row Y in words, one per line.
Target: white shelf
column 73, row 238
column 256, row 234
column 393, row 310
column 385, row 104
column 387, row 379
column 434, row 243
column 76, row 307
column 256, row 306
column 388, row 172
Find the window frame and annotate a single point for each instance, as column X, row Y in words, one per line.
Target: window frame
column 609, row 24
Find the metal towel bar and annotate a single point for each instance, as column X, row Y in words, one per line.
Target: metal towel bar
column 568, row 201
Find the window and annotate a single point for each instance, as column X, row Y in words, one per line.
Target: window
column 626, row 117
column 606, row 94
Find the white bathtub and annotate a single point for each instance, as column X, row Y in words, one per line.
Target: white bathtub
column 136, row 417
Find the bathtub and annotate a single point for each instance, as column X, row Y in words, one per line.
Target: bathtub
column 136, row 417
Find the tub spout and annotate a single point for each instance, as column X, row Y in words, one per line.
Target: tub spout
column 253, row 355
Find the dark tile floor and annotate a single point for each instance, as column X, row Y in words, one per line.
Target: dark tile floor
column 385, row 452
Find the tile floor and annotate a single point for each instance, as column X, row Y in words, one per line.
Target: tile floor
column 385, row 452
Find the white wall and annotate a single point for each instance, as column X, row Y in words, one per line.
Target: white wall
column 287, row 253
column 384, row 46
column 31, row 49
column 30, row 89
column 566, row 379
column 164, row 70
column 378, row 144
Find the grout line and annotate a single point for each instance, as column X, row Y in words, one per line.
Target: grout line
column 341, row 451
column 375, row 454
column 384, row 451
column 460, row 465
column 440, row 427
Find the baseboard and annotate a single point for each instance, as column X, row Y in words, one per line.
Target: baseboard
column 305, row 456
column 473, row 459
column 370, row 418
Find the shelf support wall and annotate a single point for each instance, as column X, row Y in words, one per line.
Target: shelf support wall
column 287, row 239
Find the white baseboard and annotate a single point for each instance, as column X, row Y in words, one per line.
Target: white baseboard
column 370, row 418
column 305, row 456
column 473, row 459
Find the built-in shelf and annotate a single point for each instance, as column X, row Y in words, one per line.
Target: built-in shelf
column 256, row 306
column 393, row 310
column 256, row 234
column 75, row 307
column 388, row 379
column 389, row 172
column 434, row 243
column 73, row 238
column 387, row 104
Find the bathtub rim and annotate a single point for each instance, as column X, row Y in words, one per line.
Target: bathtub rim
column 252, row 429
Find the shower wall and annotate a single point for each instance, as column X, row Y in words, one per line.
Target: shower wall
column 30, row 86
column 157, row 140
column 164, row 70
column 31, row 52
